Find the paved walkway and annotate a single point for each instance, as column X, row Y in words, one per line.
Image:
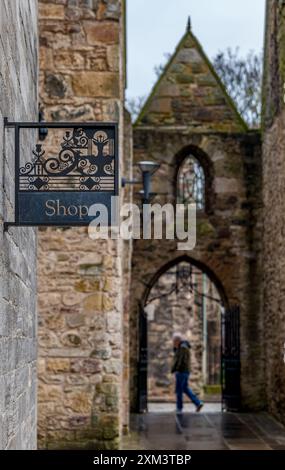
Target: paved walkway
column 188, row 408
column 208, row 430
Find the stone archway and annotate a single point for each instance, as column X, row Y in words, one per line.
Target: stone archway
column 186, row 305
column 194, row 262
column 228, row 242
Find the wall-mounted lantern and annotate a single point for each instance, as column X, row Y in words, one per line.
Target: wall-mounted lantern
column 147, row 169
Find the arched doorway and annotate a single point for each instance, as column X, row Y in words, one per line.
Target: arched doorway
column 186, row 296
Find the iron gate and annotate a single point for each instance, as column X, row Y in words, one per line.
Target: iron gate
column 142, row 361
column 230, row 359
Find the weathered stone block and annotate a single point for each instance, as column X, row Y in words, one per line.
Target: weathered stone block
column 71, row 339
column 79, row 402
column 55, row 85
column 169, row 89
column 51, row 11
column 46, row 58
column 107, row 389
column 226, row 185
column 79, row 421
column 113, row 367
column 92, row 259
column 96, row 84
column 105, row 32
column 88, row 285
column 75, row 320
column 184, row 79
column 113, row 58
column 50, row 393
column 102, row 353
column 53, row 322
column 108, row 261
column 93, row 303
column 74, row 113
column 67, row 60
column 161, row 105
column 72, row 298
column 113, row 322
column 41, row 366
column 108, row 302
column 86, row 366
column 189, row 56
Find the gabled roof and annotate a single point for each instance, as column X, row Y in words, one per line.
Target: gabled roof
column 190, row 93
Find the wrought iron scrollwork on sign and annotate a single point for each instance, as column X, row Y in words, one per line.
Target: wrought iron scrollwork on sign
column 85, row 162
column 58, row 181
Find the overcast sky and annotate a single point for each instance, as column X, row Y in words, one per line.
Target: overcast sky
column 156, row 26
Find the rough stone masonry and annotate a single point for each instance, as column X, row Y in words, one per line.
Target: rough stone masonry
column 18, row 101
column 83, row 286
column 189, row 113
column 83, row 399
column 274, row 208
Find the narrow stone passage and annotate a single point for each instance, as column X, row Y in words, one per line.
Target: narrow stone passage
column 205, row 431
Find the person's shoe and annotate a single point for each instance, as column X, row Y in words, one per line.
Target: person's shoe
column 199, row 407
column 179, row 412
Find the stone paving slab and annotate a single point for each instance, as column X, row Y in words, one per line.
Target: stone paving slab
column 188, row 407
column 205, row 431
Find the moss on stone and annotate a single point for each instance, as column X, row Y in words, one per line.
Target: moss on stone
column 84, row 285
column 233, row 166
column 113, row 444
column 212, row 389
column 112, row 401
column 177, row 72
column 184, row 78
column 281, row 43
column 177, row 68
column 204, row 228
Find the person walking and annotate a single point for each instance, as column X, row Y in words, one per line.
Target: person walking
column 181, row 369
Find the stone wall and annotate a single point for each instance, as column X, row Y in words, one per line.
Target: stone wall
column 273, row 198
column 82, row 311
column 189, row 112
column 189, row 92
column 212, row 343
column 127, row 270
column 18, row 101
column 228, row 234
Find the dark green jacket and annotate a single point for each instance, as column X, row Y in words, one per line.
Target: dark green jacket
column 181, row 361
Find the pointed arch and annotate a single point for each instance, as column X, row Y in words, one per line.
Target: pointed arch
column 196, row 263
column 208, row 170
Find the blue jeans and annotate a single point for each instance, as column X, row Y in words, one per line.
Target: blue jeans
column 182, row 387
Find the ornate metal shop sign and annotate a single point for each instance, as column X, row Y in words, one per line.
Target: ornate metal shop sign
column 64, row 178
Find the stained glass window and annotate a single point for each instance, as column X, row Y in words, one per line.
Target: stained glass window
column 191, row 183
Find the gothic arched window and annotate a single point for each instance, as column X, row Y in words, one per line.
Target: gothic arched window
column 191, row 183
